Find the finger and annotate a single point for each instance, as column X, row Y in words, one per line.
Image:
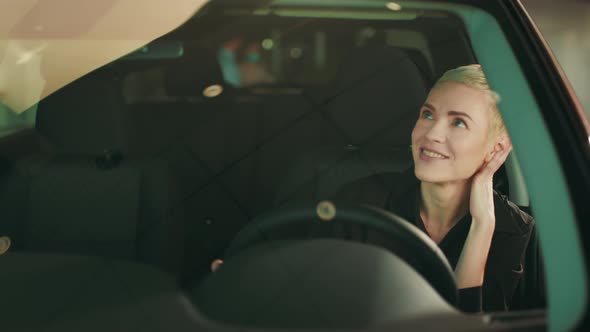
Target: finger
column 216, row 264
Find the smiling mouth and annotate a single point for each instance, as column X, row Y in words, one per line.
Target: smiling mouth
column 432, row 154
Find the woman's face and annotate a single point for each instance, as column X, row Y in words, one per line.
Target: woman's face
column 450, row 140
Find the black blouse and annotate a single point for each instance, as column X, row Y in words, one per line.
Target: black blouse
column 505, row 265
column 513, row 278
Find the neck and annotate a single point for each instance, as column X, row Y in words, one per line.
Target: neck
column 444, row 204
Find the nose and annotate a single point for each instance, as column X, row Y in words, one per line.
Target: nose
column 437, row 132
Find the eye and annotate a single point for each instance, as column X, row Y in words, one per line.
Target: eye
column 459, row 123
column 426, row 114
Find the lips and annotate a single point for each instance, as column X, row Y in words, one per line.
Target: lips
column 432, row 154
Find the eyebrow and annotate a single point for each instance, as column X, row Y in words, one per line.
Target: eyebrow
column 454, row 113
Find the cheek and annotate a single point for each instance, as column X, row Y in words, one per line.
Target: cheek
column 473, row 154
column 417, row 132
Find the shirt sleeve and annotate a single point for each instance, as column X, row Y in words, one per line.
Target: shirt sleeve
column 470, row 299
column 530, row 293
column 506, row 263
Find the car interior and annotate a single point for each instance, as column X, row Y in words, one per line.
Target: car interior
column 140, row 161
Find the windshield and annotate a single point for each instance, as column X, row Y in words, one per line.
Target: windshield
column 285, row 124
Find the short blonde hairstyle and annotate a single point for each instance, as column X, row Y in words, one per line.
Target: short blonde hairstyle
column 473, row 76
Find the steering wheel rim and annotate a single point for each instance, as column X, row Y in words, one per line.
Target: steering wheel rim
column 421, row 253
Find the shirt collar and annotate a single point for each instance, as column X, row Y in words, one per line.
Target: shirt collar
column 509, row 218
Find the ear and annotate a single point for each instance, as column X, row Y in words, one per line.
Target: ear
column 502, row 143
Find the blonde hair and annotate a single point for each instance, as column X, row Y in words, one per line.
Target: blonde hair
column 473, row 76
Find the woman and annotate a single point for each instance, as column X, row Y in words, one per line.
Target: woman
column 458, row 143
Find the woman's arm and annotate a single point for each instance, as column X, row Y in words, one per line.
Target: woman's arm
column 471, row 265
column 470, row 268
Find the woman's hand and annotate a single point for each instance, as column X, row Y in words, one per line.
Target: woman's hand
column 481, row 202
column 216, row 264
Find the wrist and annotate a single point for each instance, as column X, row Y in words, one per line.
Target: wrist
column 483, row 225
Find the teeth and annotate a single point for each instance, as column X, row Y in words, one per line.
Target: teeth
column 432, row 154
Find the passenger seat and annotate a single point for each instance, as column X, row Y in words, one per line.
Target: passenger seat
column 88, row 197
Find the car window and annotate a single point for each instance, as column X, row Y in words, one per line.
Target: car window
column 11, row 122
column 284, row 75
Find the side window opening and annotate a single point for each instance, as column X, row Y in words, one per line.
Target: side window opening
column 11, row 122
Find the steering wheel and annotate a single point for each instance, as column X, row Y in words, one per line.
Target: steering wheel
column 361, row 223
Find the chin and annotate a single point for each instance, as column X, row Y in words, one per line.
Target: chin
column 425, row 176
column 436, row 177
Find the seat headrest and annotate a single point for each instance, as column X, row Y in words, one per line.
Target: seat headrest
column 382, row 63
column 376, row 88
column 85, row 117
column 421, row 61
